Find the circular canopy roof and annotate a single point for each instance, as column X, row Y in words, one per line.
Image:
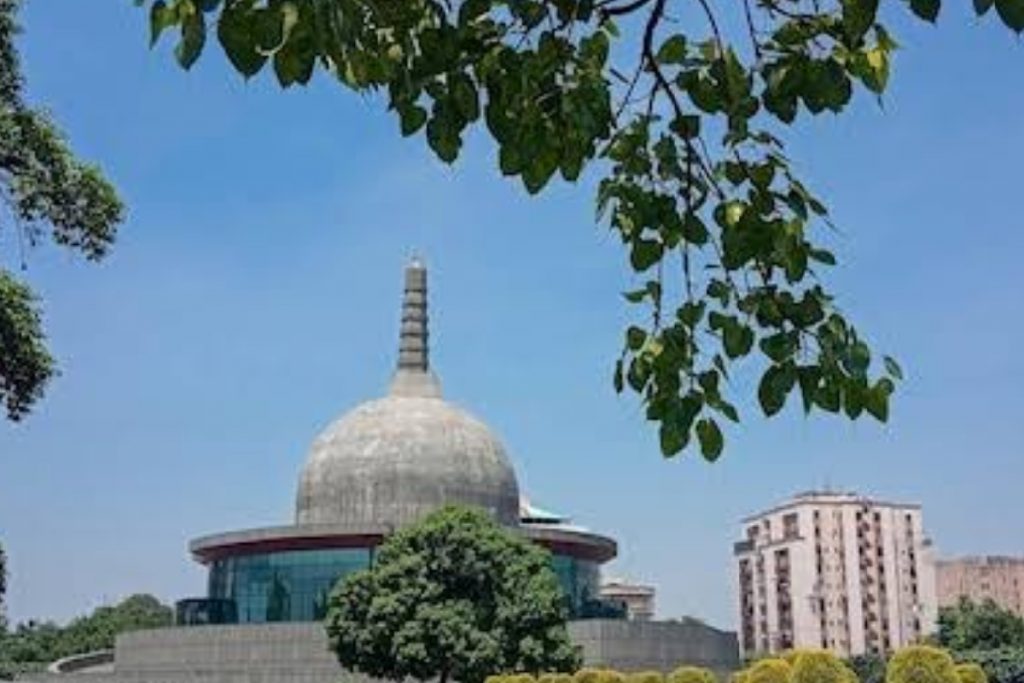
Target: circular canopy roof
column 390, row 461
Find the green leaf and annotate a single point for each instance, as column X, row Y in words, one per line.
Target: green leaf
column 686, row 126
column 412, row 118
column 892, row 367
column 645, row 254
column 737, row 340
column 672, row 439
column 981, row 7
column 876, row 399
column 775, row 385
column 193, row 37
column 858, row 17
column 635, row 338
column 617, row 377
column 1012, row 13
column 929, row 9
column 236, row 33
column 710, row 437
column 673, row 50
column 808, row 377
column 160, row 17
column 780, row 346
column 854, row 391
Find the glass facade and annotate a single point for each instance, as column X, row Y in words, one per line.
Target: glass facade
column 581, row 583
column 291, row 585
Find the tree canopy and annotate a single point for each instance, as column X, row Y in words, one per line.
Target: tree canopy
column 686, row 123
column 455, row 597
column 33, row 645
column 979, row 626
column 45, row 193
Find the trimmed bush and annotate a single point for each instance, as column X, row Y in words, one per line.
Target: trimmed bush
column 769, row 670
column 739, row 676
column 587, row 675
column 496, row 678
column 694, row 674
column 971, row 673
column 819, row 666
column 555, row 678
column 609, row 676
column 921, row 664
column 520, row 678
column 658, row 677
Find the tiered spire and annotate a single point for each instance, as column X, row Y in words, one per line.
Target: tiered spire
column 414, row 377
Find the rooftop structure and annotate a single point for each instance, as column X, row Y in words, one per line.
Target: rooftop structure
column 996, row 578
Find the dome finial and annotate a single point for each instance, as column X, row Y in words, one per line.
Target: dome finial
column 414, row 377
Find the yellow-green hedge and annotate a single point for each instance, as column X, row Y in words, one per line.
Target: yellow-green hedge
column 921, row 664
column 656, row 677
column 691, row 674
column 971, row 673
column 771, row 670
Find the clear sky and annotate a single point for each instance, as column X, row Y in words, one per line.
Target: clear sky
column 253, row 297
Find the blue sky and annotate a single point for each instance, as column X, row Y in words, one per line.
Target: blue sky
column 253, row 297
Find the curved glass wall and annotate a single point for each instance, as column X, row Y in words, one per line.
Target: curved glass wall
column 291, row 585
column 581, row 583
column 294, row 585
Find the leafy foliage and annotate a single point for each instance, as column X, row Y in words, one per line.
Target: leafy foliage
column 820, row 666
column 984, row 626
column 32, row 645
column 869, row 668
column 971, row 673
column 921, row 664
column 454, row 597
column 43, row 187
column 769, row 670
column 692, row 674
column 1001, row 665
column 725, row 238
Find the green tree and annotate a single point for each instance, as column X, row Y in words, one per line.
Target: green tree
column 46, row 192
column 683, row 121
column 869, row 668
column 32, row 645
column 1002, row 665
column 974, row 626
column 921, row 664
column 454, row 597
column 3, row 591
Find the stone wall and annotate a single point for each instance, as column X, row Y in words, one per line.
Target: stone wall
column 297, row 652
column 655, row 645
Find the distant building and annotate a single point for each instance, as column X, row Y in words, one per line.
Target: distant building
column 1000, row 579
column 836, row 571
column 636, row 598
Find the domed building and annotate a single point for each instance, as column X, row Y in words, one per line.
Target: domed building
column 381, row 466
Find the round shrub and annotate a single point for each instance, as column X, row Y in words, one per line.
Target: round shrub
column 739, row 676
column 921, row 664
column 694, row 674
column 819, row 666
column 497, row 678
column 770, row 671
column 658, row 677
column 555, row 678
column 608, row 676
column 587, row 675
column 971, row 673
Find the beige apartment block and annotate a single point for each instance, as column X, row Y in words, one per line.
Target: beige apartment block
column 1000, row 579
column 837, row 571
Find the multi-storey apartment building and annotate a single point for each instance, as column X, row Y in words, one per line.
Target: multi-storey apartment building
column 1000, row 579
column 836, row 571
